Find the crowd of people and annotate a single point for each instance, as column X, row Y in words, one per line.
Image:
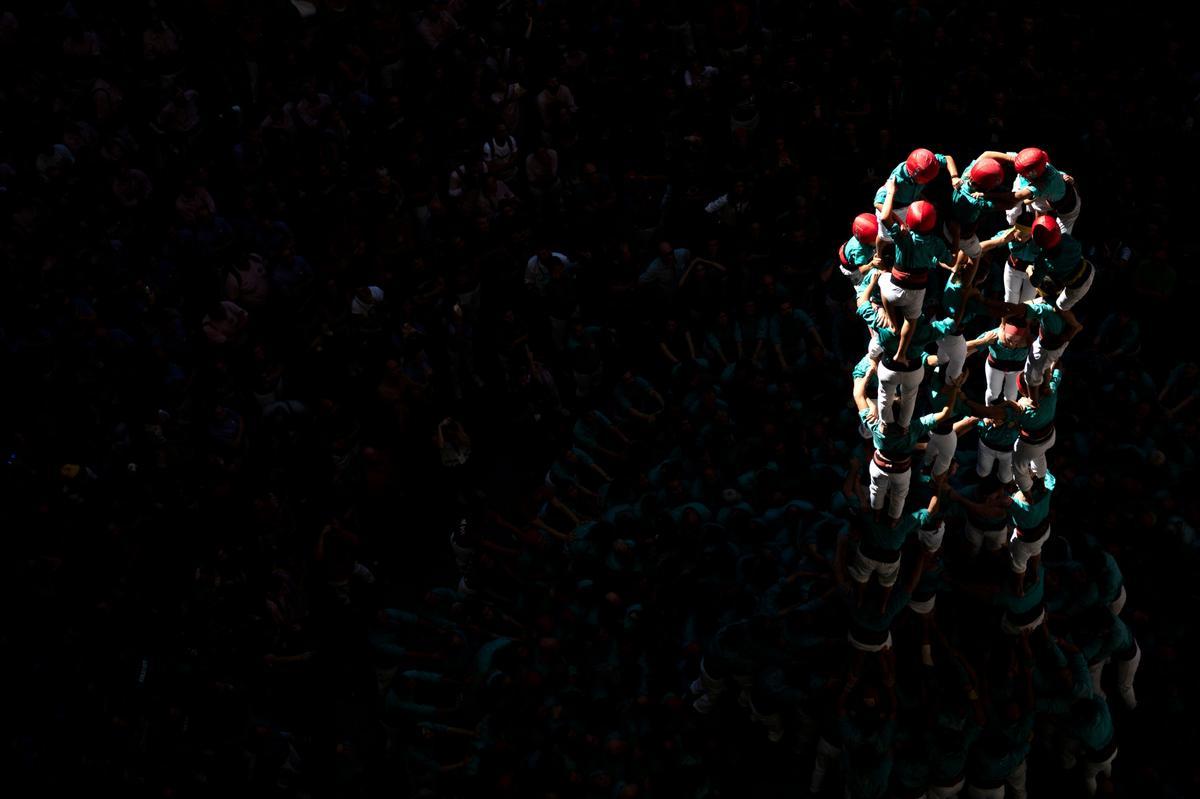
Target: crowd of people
column 577, row 399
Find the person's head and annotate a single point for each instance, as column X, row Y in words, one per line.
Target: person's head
column 666, row 252
column 922, row 166
column 552, row 84
column 985, row 174
column 1046, row 232
column 1031, row 162
column 922, row 216
column 865, row 229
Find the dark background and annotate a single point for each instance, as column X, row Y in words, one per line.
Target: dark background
column 168, row 569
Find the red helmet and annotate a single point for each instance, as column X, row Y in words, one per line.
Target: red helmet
column 1031, row 162
column 866, row 228
column 922, row 216
column 921, row 166
column 986, row 174
column 1046, row 233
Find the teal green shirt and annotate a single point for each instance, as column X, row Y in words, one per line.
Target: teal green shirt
column 1047, row 186
column 1001, row 352
column 884, row 536
column 918, row 252
column 1027, row 515
column 898, row 446
column 1095, row 728
column 860, row 371
column 1061, row 264
column 963, row 206
column 908, row 190
column 1003, row 434
column 1047, row 316
column 857, row 254
column 1041, row 416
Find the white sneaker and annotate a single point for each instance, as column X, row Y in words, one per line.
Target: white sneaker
column 703, row 704
column 697, row 687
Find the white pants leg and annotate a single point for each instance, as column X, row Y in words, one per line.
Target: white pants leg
column 1118, row 604
column 827, row 755
column 889, row 383
column 986, row 460
column 1039, row 361
column 1029, row 460
column 985, row 793
column 940, row 451
column 974, row 539
column 1004, row 467
column 1016, row 781
column 938, row 792
column 952, row 354
column 1126, row 671
column 999, row 384
column 1066, row 222
column 910, row 387
column 1021, row 552
column 908, row 302
column 901, row 212
column 1092, row 770
column 1070, row 297
column 880, row 482
column 1017, row 287
column 898, row 493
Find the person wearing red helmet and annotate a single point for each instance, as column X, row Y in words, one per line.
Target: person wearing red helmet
column 1008, row 349
column 1038, row 406
column 907, row 182
column 857, row 257
column 1059, row 271
column 1040, row 186
column 968, row 203
column 919, row 252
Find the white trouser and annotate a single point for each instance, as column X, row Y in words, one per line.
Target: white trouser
column 988, row 457
column 891, row 488
column 908, row 302
column 1017, row 288
column 1039, row 361
column 1126, row 671
column 909, row 384
column 827, row 755
column 1068, row 298
column 940, row 450
column 952, row 354
column 902, row 213
column 976, row 538
column 999, row 384
column 1015, row 780
column 1118, row 604
column 1092, row 770
column 1066, row 222
column 1030, row 459
column 862, row 567
column 948, row 792
column 1022, row 551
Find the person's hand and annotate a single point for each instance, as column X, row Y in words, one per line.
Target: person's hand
column 877, row 261
column 1067, row 178
column 1022, row 235
column 1011, row 234
column 955, row 182
column 978, row 195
